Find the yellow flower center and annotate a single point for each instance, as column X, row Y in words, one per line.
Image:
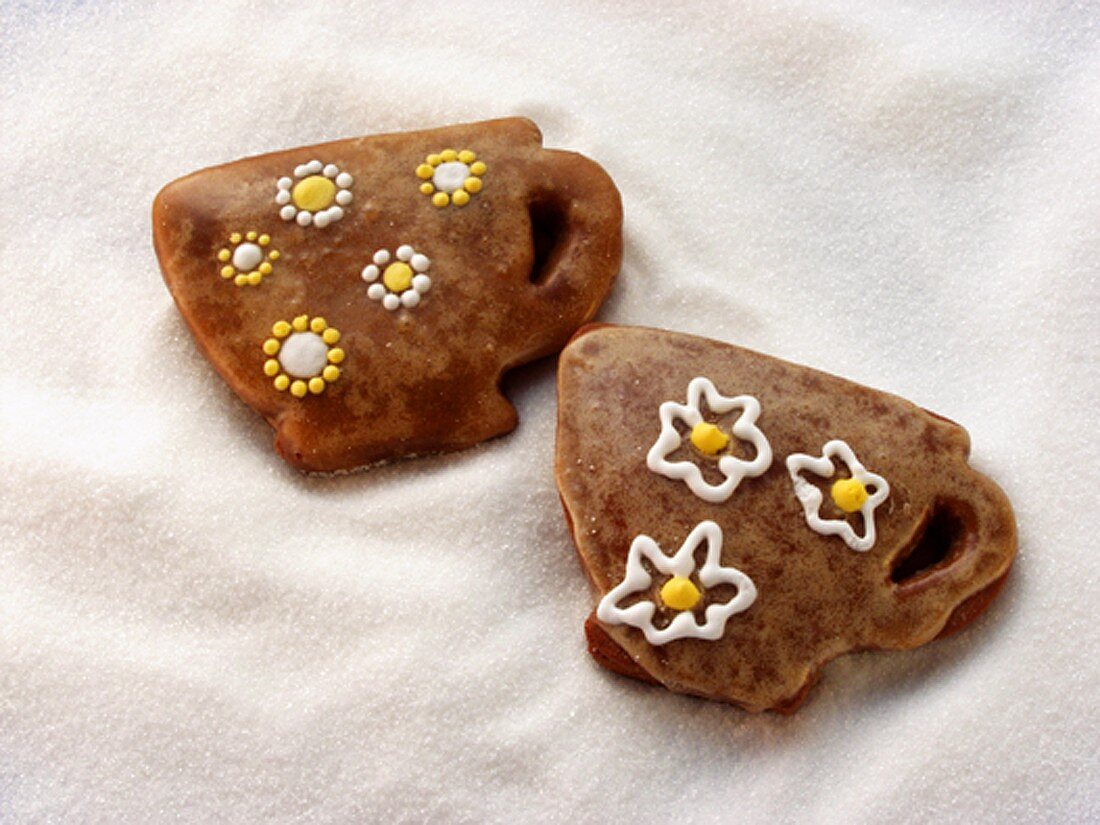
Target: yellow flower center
column 398, row 276
column 680, row 593
column 708, row 439
column 314, row 193
column 849, row 494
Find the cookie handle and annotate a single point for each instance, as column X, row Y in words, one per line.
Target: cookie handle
column 576, row 229
column 957, row 559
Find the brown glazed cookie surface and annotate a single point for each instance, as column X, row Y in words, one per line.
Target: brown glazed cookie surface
column 944, row 535
column 523, row 251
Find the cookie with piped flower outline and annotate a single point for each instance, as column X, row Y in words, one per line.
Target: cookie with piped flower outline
column 433, row 305
column 944, row 535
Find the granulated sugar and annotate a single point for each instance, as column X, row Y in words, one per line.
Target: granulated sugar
column 190, row 631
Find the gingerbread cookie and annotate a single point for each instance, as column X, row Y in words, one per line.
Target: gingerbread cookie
column 744, row 520
column 366, row 296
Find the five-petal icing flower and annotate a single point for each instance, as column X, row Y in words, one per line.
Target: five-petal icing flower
column 862, row 492
column 710, row 440
column 679, row 594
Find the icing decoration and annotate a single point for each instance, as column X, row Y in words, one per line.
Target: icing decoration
column 317, row 194
column 247, row 259
column 302, row 355
column 679, row 594
column 451, row 177
column 710, row 441
column 403, row 281
column 862, row 492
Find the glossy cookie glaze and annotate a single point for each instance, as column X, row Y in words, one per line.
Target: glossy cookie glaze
column 945, row 535
column 523, row 251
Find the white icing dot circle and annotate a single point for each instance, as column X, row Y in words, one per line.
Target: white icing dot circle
column 382, row 257
column 331, row 171
column 391, row 301
column 247, row 256
column 420, row 263
column 303, row 354
column 285, row 183
column 376, row 292
column 321, row 220
column 287, row 213
column 344, row 180
column 371, row 273
column 404, row 252
column 421, row 284
column 449, row 177
column 410, row 298
column 343, row 197
column 304, row 219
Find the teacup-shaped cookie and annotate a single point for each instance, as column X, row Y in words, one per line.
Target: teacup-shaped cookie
column 366, row 296
column 744, row 520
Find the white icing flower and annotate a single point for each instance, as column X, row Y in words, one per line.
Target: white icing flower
column 403, row 281
column 315, row 195
column 861, row 492
column 710, row 441
column 679, row 594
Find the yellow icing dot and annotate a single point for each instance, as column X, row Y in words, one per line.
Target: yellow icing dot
column 271, row 367
column 466, row 156
column 477, row 168
column 241, row 279
column 434, row 160
column 331, row 335
column 441, row 199
column 318, row 325
column 274, row 254
column 235, row 237
column 224, row 255
column 264, row 240
column 448, row 155
column 298, row 389
column 680, row 593
column 708, row 439
column 281, row 329
column 460, row 198
column 425, row 171
column 301, row 323
column 251, row 236
column 254, row 278
column 398, row 276
column 228, row 272
column 314, row 193
column 336, row 355
column 330, row 373
column 426, row 188
column 265, row 268
column 281, row 383
column 472, row 184
column 849, row 494
column 271, row 346
column 317, row 385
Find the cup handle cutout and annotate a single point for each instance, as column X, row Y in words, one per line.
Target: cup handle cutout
column 962, row 548
column 575, row 215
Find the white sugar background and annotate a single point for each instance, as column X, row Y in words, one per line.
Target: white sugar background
column 190, row 631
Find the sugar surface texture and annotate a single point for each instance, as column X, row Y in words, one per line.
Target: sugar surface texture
column 190, row 631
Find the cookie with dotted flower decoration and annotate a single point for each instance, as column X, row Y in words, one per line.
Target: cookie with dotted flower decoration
column 366, row 296
column 744, row 520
